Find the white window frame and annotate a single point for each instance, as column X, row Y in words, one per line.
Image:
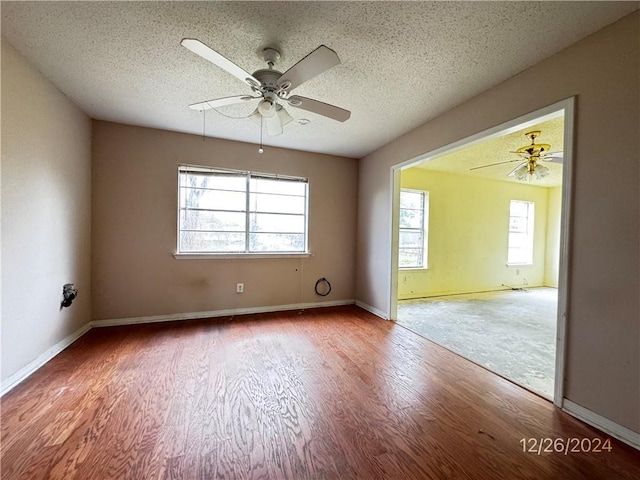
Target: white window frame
column 527, row 258
column 247, row 211
column 424, row 228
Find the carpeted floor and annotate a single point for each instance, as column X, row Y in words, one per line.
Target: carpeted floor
column 510, row 332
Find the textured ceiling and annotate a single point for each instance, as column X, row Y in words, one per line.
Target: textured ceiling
column 498, row 149
column 403, row 63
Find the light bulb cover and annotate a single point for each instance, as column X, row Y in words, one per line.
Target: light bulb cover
column 522, row 172
column 541, row 171
column 267, row 108
column 284, row 115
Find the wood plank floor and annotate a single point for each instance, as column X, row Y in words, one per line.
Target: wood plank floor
column 331, row 393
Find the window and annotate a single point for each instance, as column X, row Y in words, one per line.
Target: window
column 520, row 232
column 228, row 211
column 414, row 211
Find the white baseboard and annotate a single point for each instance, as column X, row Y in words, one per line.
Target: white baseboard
column 373, row 310
column 10, row 382
column 217, row 313
column 610, row 427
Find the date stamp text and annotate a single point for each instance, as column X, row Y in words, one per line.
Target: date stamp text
column 565, row 446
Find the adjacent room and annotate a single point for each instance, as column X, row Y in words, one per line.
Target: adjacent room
column 204, row 273
column 479, row 249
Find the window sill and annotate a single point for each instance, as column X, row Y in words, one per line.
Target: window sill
column 234, row 256
column 519, row 264
column 413, row 269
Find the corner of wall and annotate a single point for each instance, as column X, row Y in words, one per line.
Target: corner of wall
column 46, row 214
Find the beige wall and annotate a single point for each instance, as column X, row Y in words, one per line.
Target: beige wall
column 46, row 213
column 603, row 364
column 468, row 235
column 134, row 227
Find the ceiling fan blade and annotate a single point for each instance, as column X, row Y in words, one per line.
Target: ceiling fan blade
column 513, row 172
column 199, row 48
column 274, row 125
column 221, row 102
column 554, row 157
column 321, row 108
column 494, row 164
column 318, row 61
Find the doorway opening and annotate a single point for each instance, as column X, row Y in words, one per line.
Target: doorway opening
column 479, row 247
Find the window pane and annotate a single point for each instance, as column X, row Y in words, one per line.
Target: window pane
column 519, row 255
column 410, row 218
column 518, row 224
column 271, row 203
column 518, row 240
column 519, row 209
column 411, row 238
column 409, row 257
column 284, row 187
column 212, row 242
column 217, row 181
column 274, row 242
column 520, row 248
column 274, row 223
column 413, row 228
column 410, row 199
column 213, row 214
column 212, row 220
column 212, row 199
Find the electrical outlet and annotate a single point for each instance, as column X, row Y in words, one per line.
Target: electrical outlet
column 240, row 288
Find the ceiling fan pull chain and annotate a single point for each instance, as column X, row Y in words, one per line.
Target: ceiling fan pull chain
column 260, row 150
column 204, row 123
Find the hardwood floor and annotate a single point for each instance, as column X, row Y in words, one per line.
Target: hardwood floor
column 332, row 393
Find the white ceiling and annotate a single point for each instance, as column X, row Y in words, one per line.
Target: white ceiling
column 403, row 63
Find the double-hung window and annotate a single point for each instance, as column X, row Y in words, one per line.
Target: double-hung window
column 228, row 211
column 520, row 249
column 414, row 211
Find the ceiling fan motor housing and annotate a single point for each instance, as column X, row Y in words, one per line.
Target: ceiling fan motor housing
column 535, row 149
column 268, row 79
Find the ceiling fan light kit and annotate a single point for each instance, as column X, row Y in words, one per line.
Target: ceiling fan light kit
column 267, row 106
column 531, row 154
column 526, row 172
column 271, row 88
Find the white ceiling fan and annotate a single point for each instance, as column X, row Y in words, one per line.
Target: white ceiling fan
column 532, row 155
column 270, row 87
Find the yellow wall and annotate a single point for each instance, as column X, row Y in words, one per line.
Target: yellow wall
column 468, row 235
column 552, row 257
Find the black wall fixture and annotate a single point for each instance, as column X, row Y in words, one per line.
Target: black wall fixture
column 69, row 293
column 323, row 287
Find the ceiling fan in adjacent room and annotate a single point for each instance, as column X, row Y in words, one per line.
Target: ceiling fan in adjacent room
column 271, row 89
column 530, row 157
